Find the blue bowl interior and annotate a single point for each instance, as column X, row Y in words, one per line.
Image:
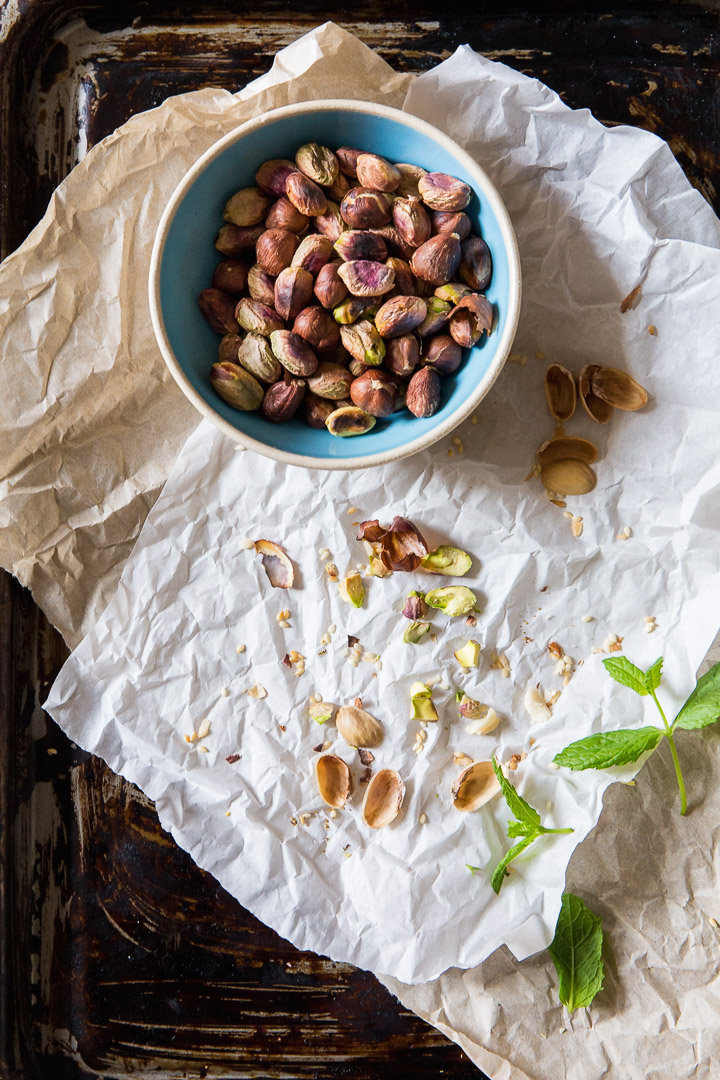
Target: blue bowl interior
column 190, row 256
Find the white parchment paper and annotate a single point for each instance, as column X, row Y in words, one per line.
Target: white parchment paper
column 596, row 212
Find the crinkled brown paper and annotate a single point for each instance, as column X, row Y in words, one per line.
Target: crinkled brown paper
column 91, row 425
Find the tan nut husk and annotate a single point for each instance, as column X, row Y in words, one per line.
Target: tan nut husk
column 597, row 409
column 476, row 785
column 560, row 392
column 383, row 799
column 334, row 780
column 618, row 389
column 568, row 477
column 358, row 727
column 571, row 446
column 276, row 564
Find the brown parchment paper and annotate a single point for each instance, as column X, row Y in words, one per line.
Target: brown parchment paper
column 90, row 425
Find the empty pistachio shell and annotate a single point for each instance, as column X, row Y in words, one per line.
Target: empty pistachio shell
column 436, row 316
column 283, row 215
column 568, row 477
column 560, row 392
column 331, row 222
column 447, row 560
column 237, row 239
column 304, row 194
column 349, row 420
column 375, row 392
column 451, row 221
column 257, row 317
column 272, row 175
column 230, row 276
column 412, row 221
column 293, row 291
column 360, row 244
column 570, row 446
column 470, row 319
column 375, row 172
column 475, row 786
column 228, row 348
column 236, row 386
column 247, row 207
column 597, row 409
column 443, row 192
column 363, row 342
column 365, row 209
column 333, row 780
column 317, row 162
column 261, row 285
column 257, row 357
column 364, row 277
column 219, row 310
column 476, row 263
column 437, row 260
column 402, row 355
column 330, row 381
column 442, row 353
column 282, row 400
column 358, row 728
column 276, row 564
column 400, row 315
column 293, row 352
column 410, row 176
column 423, row 392
column 383, row 799
column 347, row 157
column 329, row 288
column 618, row 389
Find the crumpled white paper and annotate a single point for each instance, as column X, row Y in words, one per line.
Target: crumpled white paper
column 595, row 212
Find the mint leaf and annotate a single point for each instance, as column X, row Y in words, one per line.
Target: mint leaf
column 521, row 828
column 653, row 675
column 499, row 874
column 609, row 748
column 473, row 869
column 576, row 952
column 703, row 706
column 522, row 810
column 622, row 671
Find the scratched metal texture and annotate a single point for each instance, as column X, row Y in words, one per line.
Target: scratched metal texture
column 118, row 957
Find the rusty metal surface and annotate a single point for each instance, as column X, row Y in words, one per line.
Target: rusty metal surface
column 118, row 956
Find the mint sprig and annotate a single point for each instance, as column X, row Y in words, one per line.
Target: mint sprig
column 576, row 952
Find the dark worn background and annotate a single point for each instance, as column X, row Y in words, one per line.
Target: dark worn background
column 118, row 956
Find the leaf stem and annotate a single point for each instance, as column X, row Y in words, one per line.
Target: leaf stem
column 558, row 830
column 676, row 759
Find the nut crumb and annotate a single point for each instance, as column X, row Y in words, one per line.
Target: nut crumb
column 462, row 760
column 474, row 419
column 625, row 533
column 423, row 819
column 225, row 692
column 548, row 805
column 324, row 553
column 353, row 510
column 586, row 618
column 713, row 921
column 450, row 453
column 227, row 813
column 51, row 751
column 333, row 813
column 539, row 355
column 332, row 571
column 576, row 525
column 257, row 691
column 652, row 329
column 241, row 648
column 203, row 750
column 245, row 544
column 204, row 729
column 555, row 650
column 293, row 821
column 650, row 624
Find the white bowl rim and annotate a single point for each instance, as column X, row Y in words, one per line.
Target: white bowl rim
column 486, row 189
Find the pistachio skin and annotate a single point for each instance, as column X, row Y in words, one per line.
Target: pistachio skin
column 318, row 163
column 400, row 315
column 330, row 223
column 339, row 188
column 330, row 289
column 423, row 392
column 409, row 178
column 246, row 207
column 442, row 353
column 402, row 355
column 437, row 260
column 412, row 221
column 377, row 173
column 293, row 352
column 238, row 239
column 440, row 191
column 355, row 244
column 274, row 250
column 228, row 348
column 405, row 281
column 374, row 391
column 236, row 386
column 476, row 263
column 272, row 176
column 283, row 215
column 363, row 208
column 451, row 221
column 313, row 252
column 219, row 310
column 316, row 409
column 470, row 319
column 365, row 277
column 230, row 276
column 330, row 381
column 436, row 319
column 261, row 285
column 282, row 400
column 347, row 158
column 318, row 327
column 363, row 343
column 257, row 317
column 293, row 291
column 305, row 194
column 256, row 356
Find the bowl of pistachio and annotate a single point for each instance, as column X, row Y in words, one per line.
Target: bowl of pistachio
column 335, row 284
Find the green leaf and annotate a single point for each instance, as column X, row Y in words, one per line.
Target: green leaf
column 499, row 874
column 521, row 828
column 609, row 748
column 522, row 810
column 622, row 671
column 473, row 869
column 703, row 706
column 576, row 952
column 654, row 674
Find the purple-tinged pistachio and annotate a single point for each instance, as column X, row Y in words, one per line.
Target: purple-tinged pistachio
column 364, row 277
column 475, row 263
column 365, row 209
column 347, row 157
column 363, row 343
column 272, row 176
column 357, row 367
column 293, row 291
column 339, row 188
column 410, row 176
column 411, row 220
column 275, row 249
column 377, row 173
column 258, row 318
column 394, row 241
column 316, row 410
column 330, row 288
column 237, row 239
column 438, row 313
column 282, row 400
column 470, row 319
column 375, row 392
column 236, row 386
column 261, row 285
column 450, row 221
column 317, row 162
column 246, row 207
column 360, row 244
column 405, row 281
column 219, row 310
column 440, row 191
column 400, row 315
column 304, row 194
column 348, row 311
column 283, row 215
column 423, row 392
column 415, row 606
column 312, row 254
column 276, row 564
column 257, row 357
column 230, row 276
column 330, row 381
column 318, row 327
column 293, row 352
column 442, row 353
column 436, row 261
column 330, row 223
column 452, row 292
column 349, row 420
column 228, row 348
column 402, row 355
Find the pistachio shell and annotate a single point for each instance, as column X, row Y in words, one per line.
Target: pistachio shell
column 470, row 319
column 236, row 386
column 383, row 799
column 475, row 786
column 349, row 420
column 276, row 564
column 334, row 780
column 568, row 477
column 560, row 392
column 618, row 389
column 357, row 727
column 568, row 447
column 597, row 409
